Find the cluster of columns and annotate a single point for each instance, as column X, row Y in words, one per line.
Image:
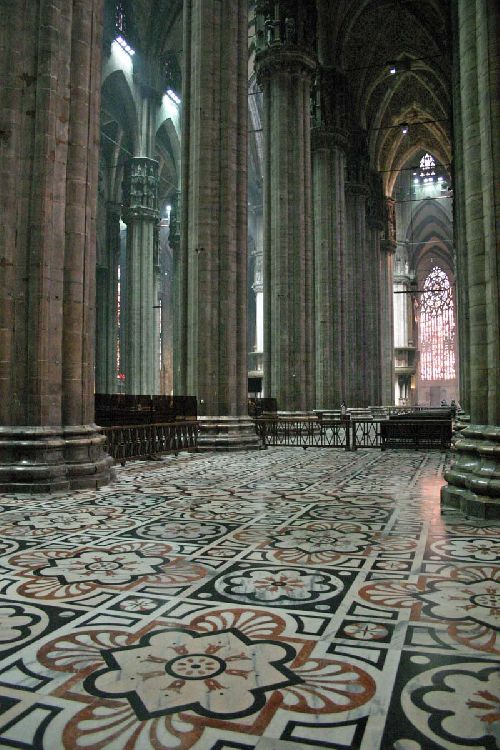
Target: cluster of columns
column 324, row 265
column 474, row 479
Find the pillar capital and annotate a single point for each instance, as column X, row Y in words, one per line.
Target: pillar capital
column 288, row 25
column 140, row 189
column 375, row 209
column 357, row 188
column 258, row 279
column 389, row 239
column 325, row 138
column 329, row 99
column 388, row 246
column 358, row 165
column 294, row 62
column 174, row 235
column 113, row 208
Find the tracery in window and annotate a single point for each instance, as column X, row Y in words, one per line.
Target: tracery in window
column 437, row 328
column 427, row 166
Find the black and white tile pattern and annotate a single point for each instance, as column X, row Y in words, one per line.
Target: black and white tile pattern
column 272, row 600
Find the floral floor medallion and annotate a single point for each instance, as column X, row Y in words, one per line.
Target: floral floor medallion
column 276, row 600
column 221, row 674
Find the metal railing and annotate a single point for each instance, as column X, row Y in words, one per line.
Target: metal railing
column 303, row 432
column 127, row 442
column 366, row 433
column 351, row 434
column 311, row 432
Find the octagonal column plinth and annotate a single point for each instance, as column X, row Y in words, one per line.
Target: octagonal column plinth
column 48, row 459
column 474, row 477
column 226, row 434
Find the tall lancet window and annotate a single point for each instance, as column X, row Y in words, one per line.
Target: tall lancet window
column 437, row 328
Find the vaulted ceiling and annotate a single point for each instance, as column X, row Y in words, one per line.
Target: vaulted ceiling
column 360, row 38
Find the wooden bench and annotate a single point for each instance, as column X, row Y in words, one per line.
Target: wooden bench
column 415, row 432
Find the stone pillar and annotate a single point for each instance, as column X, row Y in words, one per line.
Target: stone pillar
column 386, row 321
column 371, row 316
column 354, row 278
column 459, row 232
column 388, row 246
column 141, row 216
column 50, row 68
column 329, row 143
column 284, row 69
column 474, row 478
column 371, row 309
column 403, row 330
column 107, row 305
column 211, row 360
column 174, row 240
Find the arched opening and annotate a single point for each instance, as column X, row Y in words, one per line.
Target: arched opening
column 424, row 240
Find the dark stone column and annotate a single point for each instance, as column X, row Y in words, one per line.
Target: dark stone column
column 107, row 305
column 329, row 144
column 355, row 270
column 459, row 228
column 371, row 283
column 388, row 246
column 474, row 478
column 50, row 65
column 211, row 359
column 285, row 66
column 141, row 216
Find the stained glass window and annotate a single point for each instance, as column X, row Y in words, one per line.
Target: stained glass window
column 437, row 328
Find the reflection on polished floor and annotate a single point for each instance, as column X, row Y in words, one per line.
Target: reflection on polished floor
column 275, row 600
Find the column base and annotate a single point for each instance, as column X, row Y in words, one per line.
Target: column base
column 227, row 434
column 474, row 477
column 53, row 459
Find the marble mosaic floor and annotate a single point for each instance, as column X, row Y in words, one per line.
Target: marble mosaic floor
column 275, row 600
